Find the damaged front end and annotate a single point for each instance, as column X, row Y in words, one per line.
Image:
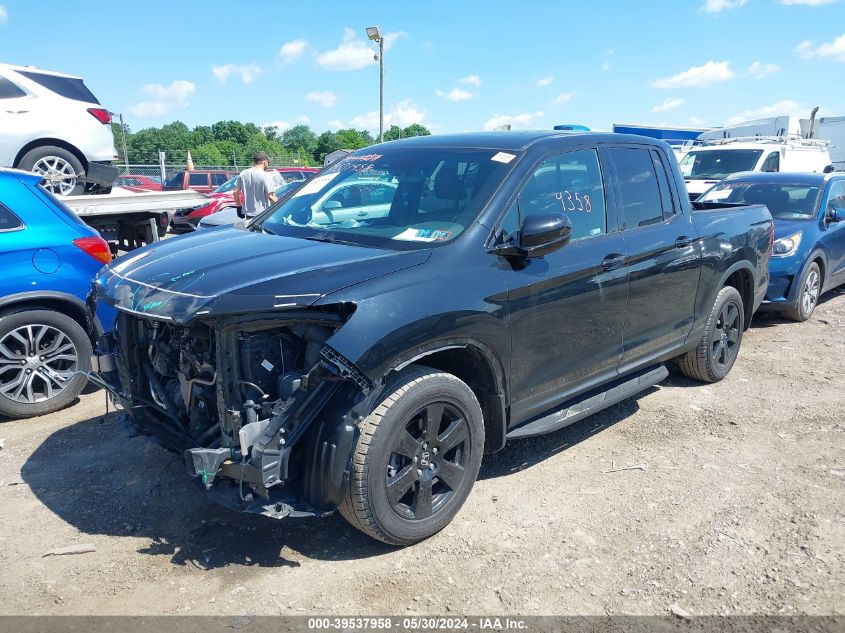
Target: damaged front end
column 262, row 408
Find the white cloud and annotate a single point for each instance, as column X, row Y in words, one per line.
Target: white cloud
column 472, row 80
column 698, row 76
column 545, row 81
column 354, row 52
column 696, row 121
column 563, row 97
column 248, row 72
column 808, row 3
column 165, row 98
column 781, row 108
column 758, row 70
column 293, row 50
column 514, row 120
column 4, row 15
column 404, row 114
column 335, row 124
column 456, row 94
column 669, row 104
column 716, row 6
column 326, row 98
column 834, row 50
column 304, row 119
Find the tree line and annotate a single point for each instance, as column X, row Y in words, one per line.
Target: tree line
column 234, row 143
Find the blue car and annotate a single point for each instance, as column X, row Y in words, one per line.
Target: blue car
column 808, row 255
column 48, row 257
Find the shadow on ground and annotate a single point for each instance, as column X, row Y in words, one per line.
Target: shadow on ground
column 101, row 477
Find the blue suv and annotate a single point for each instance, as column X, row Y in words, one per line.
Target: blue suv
column 808, row 255
column 48, row 257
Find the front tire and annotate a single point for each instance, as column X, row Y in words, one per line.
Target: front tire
column 62, row 171
column 808, row 294
column 417, row 457
column 715, row 354
column 41, row 352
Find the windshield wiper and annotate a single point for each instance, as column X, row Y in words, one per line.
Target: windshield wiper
column 264, row 229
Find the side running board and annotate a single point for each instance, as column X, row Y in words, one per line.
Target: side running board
column 590, row 404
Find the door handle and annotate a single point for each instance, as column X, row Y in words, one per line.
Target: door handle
column 362, row 214
column 683, row 241
column 16, row 111
column 613, row 261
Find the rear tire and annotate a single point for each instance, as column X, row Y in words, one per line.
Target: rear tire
column 61, row 169
column 42, row 348
column 808, row 294
column 716, row 352
column 416, row 459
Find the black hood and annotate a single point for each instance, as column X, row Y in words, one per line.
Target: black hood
column 230, row 270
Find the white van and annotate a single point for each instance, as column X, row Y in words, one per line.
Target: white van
column 705, row 165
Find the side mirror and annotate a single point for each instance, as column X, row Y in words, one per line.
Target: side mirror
column 835, row 214
column 828, row 169
column 539, row 235
column 332, row 205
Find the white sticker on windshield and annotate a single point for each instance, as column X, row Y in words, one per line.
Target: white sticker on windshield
column 503, row 157
column 314, row 185
column 423, row 235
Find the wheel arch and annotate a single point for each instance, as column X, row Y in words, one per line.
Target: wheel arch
column 741, row 277
column 64, row 303
column 56, row 142
column 475, row 364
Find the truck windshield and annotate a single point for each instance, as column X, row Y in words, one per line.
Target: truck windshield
column 718, row 163
column 784, row 201
column 401, row 198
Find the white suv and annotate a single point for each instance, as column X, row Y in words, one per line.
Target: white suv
column 51, row 124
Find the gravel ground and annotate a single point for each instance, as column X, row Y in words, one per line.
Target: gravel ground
column 736, row 505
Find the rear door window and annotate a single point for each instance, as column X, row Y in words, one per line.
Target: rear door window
column 8, row 220
column 641, row 201
column 8, row 90
column 67, row 87
column 666, row 198
column 198, row 180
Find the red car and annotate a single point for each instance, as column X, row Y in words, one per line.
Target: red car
column 201, row 180
column 138, row 182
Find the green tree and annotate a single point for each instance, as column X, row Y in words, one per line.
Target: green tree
column 299, row 137
column 354, row 139
column 395, row 132
column 327, row 143
column 415, row 129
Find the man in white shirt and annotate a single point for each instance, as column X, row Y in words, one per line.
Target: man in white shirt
column 255, row 188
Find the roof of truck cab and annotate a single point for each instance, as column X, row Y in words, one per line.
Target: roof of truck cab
column 514, row 141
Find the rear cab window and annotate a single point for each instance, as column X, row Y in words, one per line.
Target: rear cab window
column 198, row 180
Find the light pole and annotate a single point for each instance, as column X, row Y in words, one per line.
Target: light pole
column 374, row 35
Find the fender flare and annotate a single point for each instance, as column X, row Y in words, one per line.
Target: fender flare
column 817, row 253
column 76, row 307
column 746, row 266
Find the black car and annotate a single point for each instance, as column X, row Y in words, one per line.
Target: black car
column 517, row 282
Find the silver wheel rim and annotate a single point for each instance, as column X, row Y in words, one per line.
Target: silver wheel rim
column 811, row 292
column 37, row 362
column 59, row 175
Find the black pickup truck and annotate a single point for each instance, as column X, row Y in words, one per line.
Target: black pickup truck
column 479, row 288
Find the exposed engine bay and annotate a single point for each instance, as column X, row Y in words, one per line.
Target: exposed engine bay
column 241, row 401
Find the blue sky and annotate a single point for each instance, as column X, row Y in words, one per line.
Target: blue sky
column 451, row 65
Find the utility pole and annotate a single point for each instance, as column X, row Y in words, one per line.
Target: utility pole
column 123, row 142
column 374, row 35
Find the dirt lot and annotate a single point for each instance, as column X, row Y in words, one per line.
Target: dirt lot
column 739, row 507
